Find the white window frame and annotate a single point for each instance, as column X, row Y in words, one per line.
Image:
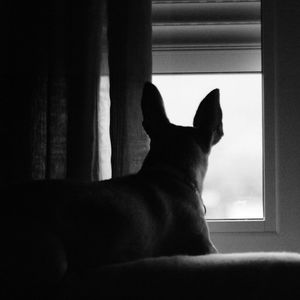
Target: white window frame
column 190, row 58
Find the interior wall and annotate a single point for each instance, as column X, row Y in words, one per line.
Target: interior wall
column 286, row 33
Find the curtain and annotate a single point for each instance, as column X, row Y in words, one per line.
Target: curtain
column 55, row 79
column 130, row 64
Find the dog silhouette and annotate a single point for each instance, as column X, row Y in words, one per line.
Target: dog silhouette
column 156, row 212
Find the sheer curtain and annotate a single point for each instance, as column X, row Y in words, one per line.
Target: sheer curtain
column 54, row 123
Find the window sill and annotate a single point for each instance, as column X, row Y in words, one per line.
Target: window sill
column 253, row 225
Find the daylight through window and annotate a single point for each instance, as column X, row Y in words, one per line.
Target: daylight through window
column 233, row 185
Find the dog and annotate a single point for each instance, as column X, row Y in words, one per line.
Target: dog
column 158, row 211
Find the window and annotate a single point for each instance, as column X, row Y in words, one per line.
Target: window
column 233, row 185
column 202, row 45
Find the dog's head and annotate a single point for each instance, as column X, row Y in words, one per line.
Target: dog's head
column 186, row 148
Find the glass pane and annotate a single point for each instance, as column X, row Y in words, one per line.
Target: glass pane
column 233, row 184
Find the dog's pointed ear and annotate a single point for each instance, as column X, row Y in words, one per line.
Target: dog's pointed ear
column 208, row 118
column 154, row 114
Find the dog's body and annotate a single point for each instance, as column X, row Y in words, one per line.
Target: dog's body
column 156, row 212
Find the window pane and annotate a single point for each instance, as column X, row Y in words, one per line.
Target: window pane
column 233, row 184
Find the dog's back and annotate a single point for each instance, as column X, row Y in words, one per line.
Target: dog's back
column 158, row 211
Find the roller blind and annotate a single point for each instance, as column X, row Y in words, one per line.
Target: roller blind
column 206, row 36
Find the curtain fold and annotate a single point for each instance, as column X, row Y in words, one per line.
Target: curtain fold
column 87, row 22
column 130, row 63
column 51, row 79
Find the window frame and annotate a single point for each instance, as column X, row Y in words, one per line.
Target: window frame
column 181, row 60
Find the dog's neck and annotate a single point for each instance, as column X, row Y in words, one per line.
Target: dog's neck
column 193, row 178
